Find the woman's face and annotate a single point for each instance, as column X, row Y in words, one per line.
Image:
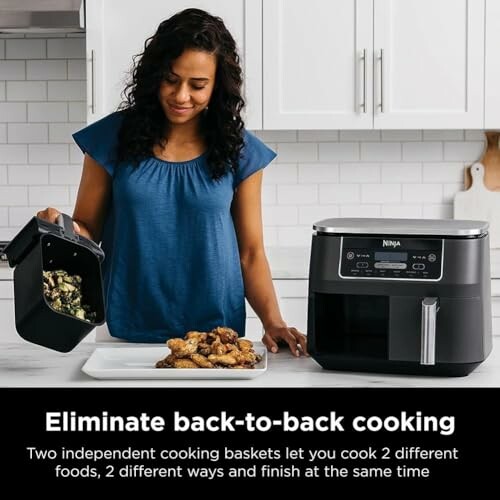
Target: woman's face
column 186, row 91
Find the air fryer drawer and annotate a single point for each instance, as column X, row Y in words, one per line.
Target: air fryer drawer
column 459, row 330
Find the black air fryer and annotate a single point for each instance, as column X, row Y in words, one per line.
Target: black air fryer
column 400, row 295
column 42, row 246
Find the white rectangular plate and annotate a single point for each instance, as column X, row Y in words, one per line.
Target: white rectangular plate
column 139, row 363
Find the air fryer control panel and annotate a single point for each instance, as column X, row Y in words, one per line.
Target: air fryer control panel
column 391, row 258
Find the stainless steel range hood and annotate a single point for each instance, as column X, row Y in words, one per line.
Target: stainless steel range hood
column 42, row 16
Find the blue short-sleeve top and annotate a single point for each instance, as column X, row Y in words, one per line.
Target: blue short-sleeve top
column 172, row 262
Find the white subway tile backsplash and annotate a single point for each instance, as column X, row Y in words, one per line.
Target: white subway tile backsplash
column 46, row 70
column 443, row 172
column 339, row 193
column 51, row 112
column 12, row 112
column 438, row 211
column 318, row 173
column 65, row 174
column 402, row 211
column 299, row 236
column 270, row 236
column 308, row 215
column 380, row 193
column 75, row 154
column 359, row 172
column 13, row 154
column 13, row 195
column 77, row 111
column 24, row 175
column 19, row 216
column 281, row 173
column 297, row 152
column 67, row 91
column 463, row 151
column 66, row 48
column 269, row 196
column 49, row 153
column 401, row 135
column 450, row 190
column 77, row 69
column 4, row 216
column 27, row 133
column 359, row 135
column 61, row 132
column 22, row 48
column 342, row 151
column 304, row 194
column 474, row 135
column 318, row 135
column 50, row 196
column 422, row 193
column 280, row 215
column 360, row 211
column 381, row 151
column 277, row 135
column 401, row 172
column 12, row 70
column 26, row 91
column 443, row 135
column 422, row 151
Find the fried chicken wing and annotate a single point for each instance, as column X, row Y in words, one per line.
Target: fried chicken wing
column 224, row 359
column 220, row 348
column 182, row 348
column 201, row 361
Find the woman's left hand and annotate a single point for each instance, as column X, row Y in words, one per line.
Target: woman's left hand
column 296, row 341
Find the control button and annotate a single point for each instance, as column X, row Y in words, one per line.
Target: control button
column 362, row 265
column 350, row 255
column 390, row 265
column 418, row 267
column 432, row 257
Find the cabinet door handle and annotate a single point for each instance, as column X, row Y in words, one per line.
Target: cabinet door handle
column 381, row 59
column 363, row 103
column 92, row 91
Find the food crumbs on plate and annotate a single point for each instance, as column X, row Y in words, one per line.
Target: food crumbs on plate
column 220, row 348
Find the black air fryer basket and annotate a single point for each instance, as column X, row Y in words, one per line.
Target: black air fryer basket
column 43, row 246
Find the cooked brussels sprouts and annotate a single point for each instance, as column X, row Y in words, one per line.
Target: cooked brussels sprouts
column 63, row 293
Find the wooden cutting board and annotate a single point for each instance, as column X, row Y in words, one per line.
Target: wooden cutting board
column 491, row 161
column 479, row 203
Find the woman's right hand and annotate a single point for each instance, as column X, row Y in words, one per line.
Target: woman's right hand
column 51, row 214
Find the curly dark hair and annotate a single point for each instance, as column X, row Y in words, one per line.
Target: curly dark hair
column 144, row 122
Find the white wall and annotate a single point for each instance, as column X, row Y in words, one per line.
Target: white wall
column 317, row 174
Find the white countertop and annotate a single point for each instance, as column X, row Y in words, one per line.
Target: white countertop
column 28, row 365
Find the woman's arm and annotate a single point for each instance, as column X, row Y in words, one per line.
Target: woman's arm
column 92, row 201
column 259, row 289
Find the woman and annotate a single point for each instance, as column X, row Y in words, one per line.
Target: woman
column 171, row 186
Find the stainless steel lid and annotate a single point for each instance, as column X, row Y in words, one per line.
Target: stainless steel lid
column 421, row 227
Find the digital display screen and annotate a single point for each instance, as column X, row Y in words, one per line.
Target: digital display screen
column 391, row 256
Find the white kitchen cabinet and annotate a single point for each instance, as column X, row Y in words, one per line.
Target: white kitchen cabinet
column 383, row 64
column 117, row 30
column 492, row 66
column 7, row 317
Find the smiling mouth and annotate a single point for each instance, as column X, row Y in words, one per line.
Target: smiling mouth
column 178, row 108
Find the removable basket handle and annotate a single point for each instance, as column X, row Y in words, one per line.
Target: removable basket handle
column 66, row 223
